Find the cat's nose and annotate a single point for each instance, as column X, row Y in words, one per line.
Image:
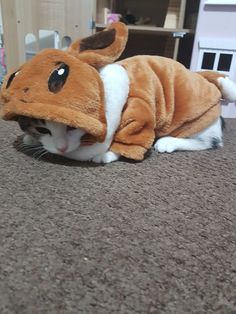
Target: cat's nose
column 62, row 149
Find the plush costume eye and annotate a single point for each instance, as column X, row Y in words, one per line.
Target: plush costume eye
column 43, row 130
column 11, row 78
column 58, row 78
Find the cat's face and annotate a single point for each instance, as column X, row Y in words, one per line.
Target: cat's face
column 55, row 138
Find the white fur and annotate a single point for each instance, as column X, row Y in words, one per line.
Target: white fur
column 200, row 141
column 106, row 158
column 228, row 88
column 29, row 140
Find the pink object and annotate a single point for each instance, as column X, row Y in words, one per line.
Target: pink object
column 113, row 17
column 2, row 58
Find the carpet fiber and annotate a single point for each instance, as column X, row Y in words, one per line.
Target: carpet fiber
column 156, row 237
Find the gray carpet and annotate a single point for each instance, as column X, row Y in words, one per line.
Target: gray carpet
column 152, row 237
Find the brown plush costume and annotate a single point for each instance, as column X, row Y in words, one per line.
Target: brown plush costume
column 164, row 97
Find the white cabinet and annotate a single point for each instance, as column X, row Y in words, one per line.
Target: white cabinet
column 215, row 43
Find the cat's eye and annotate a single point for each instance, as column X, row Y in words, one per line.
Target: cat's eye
column 70, row 128
column 11, row 78
column 43, row 130
column 58, row 78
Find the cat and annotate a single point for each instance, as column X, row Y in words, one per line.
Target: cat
column 64, row 140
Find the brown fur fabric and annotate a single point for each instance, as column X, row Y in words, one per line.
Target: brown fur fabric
column 165, row 99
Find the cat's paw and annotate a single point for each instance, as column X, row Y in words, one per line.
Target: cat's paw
column 106, row 158
column 166, row 144
column 29, row 140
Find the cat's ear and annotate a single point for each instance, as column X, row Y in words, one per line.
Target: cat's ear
column 103, row 47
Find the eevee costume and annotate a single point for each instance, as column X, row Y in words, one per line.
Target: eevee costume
column 164, row 97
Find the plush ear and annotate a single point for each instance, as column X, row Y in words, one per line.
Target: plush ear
column 103, row 47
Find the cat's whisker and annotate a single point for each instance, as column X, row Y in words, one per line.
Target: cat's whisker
column 28, row 149
column 22, row 146
column 33, row 145
column 28, row 146
column 38, row 152
column 42, row 154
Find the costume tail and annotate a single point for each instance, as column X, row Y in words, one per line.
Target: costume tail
column 224, row 84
